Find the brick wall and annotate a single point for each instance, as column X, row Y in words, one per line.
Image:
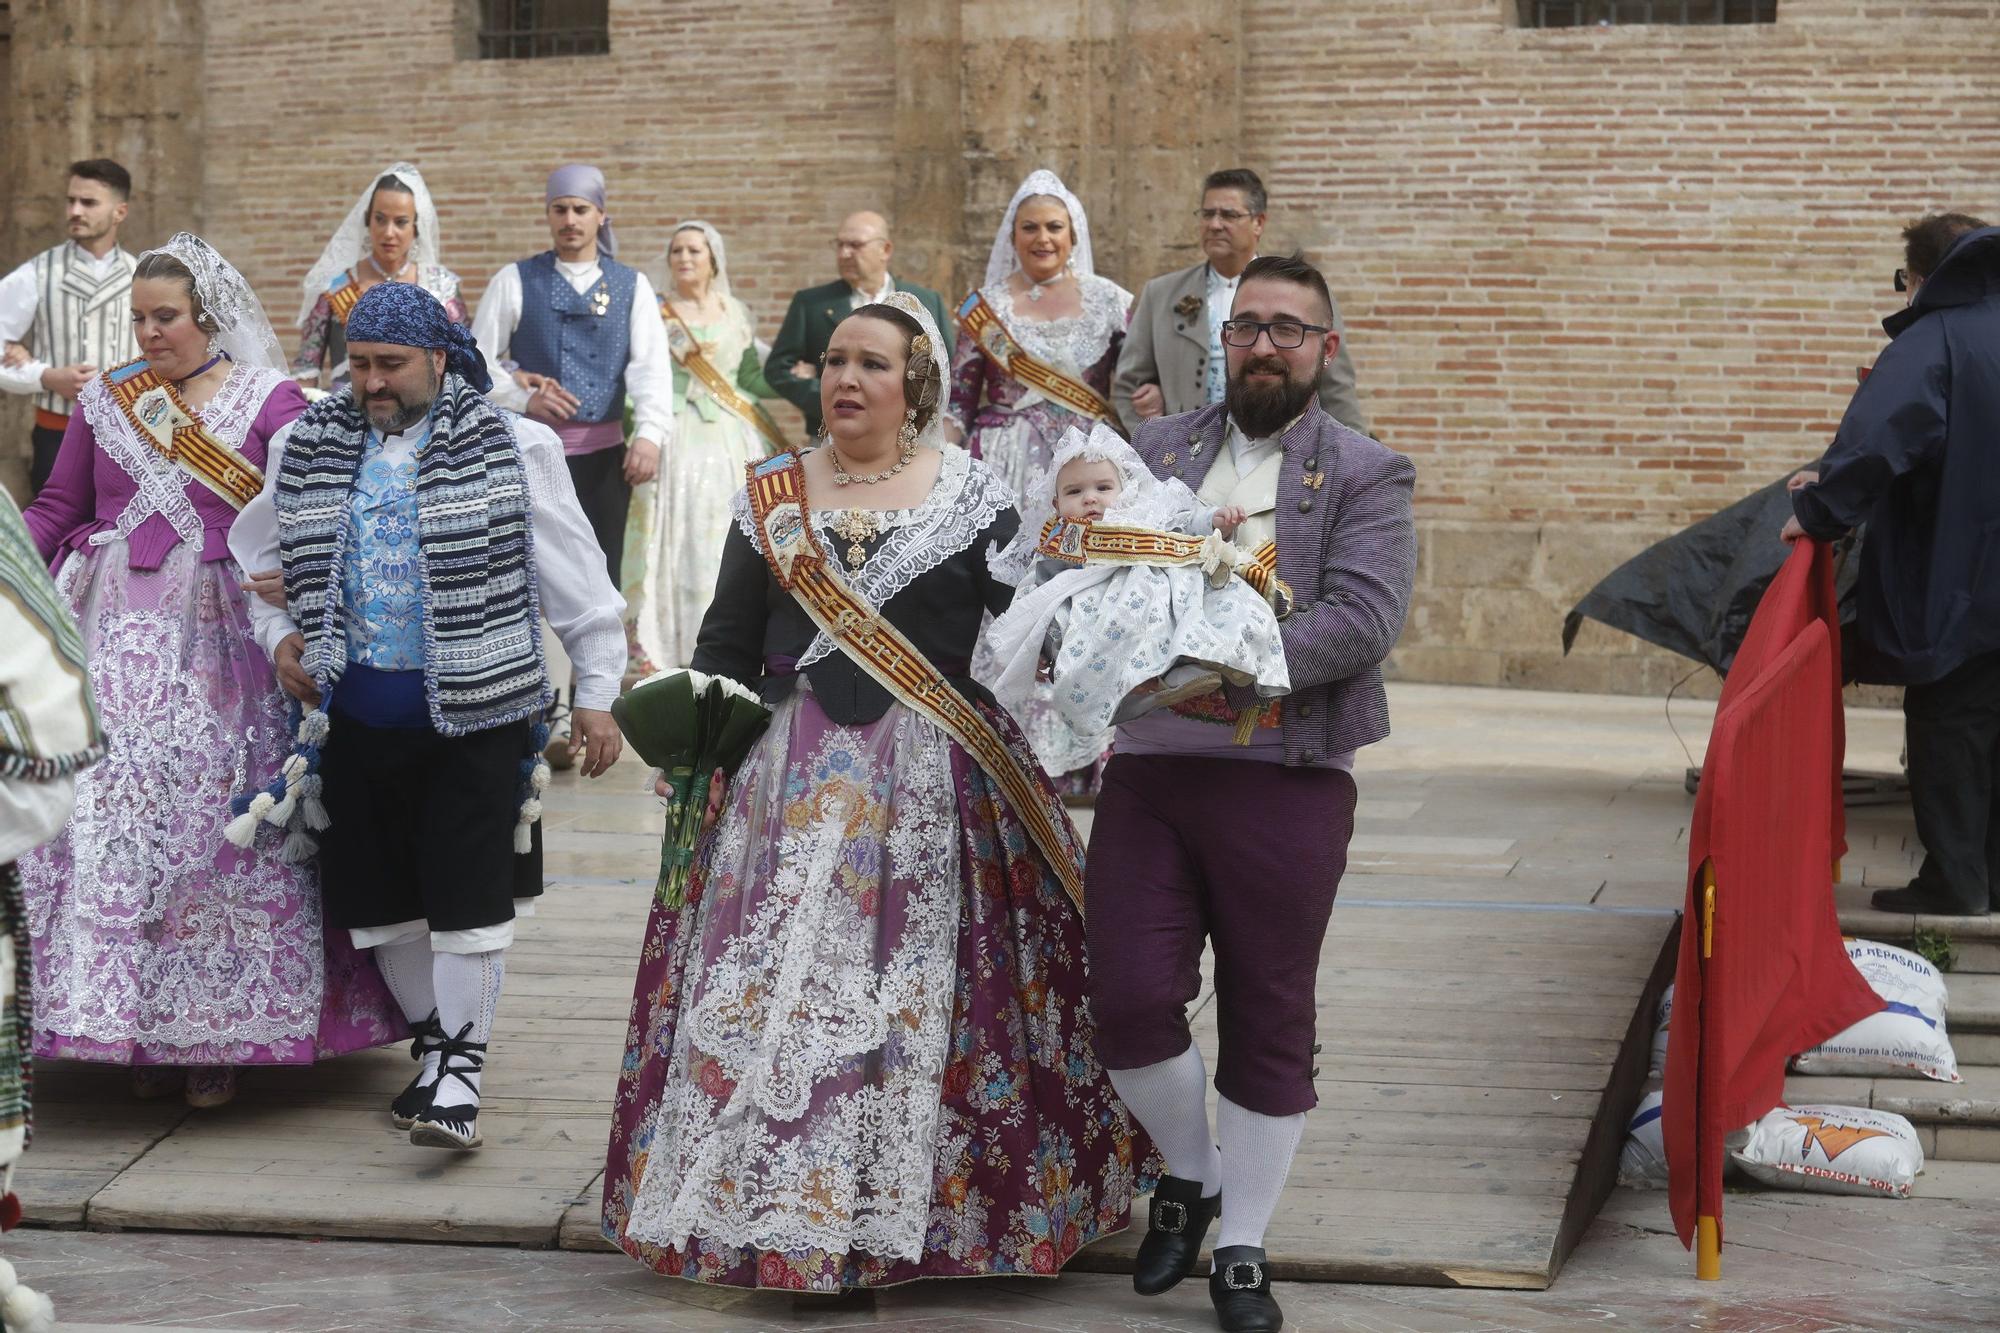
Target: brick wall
column 1599, row 282
column 770, row 120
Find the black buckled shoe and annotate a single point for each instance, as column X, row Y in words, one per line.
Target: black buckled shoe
column 1176, row 1223
column 1240, row 1287
column 415, row 1099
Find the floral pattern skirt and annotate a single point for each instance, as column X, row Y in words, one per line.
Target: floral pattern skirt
column 861, row 1053
column 155, row 941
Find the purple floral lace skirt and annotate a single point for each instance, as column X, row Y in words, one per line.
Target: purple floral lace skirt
column 154, row 940
column 861, row 1054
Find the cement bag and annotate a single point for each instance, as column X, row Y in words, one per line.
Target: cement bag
column 1907, row 1037
column 1659, row 1069
column 1833, row 1150
column 1643, row 1163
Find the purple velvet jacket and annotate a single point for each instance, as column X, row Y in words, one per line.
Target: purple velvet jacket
column 1348, row 547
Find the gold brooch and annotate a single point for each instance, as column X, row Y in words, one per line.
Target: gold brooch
column 856, row 526
column 1170, row 458
column 1314, row 480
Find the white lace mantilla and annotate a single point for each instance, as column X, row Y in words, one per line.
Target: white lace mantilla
column 963, row 503
column 801, row 1105
column 162, row 487
column 1073, row 343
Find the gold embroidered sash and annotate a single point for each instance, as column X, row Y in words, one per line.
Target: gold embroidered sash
column 978, row 320
column 341, row 299
column 1079, row 542
column 155, row 409
column 687, row 351
column 791, row 548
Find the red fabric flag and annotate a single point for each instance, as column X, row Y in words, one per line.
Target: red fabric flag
column 1776, row 979
column 1801, row 593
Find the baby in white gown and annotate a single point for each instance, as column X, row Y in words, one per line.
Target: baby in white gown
column 1120, row 639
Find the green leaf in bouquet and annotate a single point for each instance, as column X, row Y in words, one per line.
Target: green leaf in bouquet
column 661, row 721
column 739, row 724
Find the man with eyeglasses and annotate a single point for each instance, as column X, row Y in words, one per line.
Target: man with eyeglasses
column 861, row 250
column 1172, row 361
column 1232, row 826
column 1913, row 459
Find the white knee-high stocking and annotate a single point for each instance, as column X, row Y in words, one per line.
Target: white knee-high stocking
column 468, row 993
column 1256, row 1157
column 406, row 968
column 1170, row 1099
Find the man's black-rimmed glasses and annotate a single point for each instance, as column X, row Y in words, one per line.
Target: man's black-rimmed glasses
column 1285, row 333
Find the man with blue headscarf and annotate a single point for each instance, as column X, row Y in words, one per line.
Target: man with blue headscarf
column 424, row 534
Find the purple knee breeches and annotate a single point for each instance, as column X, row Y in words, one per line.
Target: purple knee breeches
column 1245, row 853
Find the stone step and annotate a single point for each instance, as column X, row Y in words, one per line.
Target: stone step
column 1956, row 1122
column 1974, row 1022
column 1975, row 940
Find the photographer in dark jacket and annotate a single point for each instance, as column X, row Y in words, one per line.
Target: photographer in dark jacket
column 1917, row 458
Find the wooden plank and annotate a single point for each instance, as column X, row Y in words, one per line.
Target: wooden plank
column 1467, row 1048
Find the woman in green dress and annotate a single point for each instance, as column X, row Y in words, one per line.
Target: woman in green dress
column 673, row 541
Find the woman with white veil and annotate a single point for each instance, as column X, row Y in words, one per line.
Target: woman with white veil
column 1041, row 297
column 157, row 944
column 859, row 1051
column 390, row 235
column 1043, row 293
column 673, row 539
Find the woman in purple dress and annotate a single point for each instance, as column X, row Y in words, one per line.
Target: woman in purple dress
column 1043, row 289
column 860, row 1054
column 156, row 943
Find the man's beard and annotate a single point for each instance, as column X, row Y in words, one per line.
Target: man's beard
column 397, row 414
column 1262, row 410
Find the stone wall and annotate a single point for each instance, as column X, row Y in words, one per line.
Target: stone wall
column 1598, row 282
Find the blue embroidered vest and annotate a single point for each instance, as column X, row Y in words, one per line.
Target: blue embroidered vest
column 383, row 581
column 583, row 338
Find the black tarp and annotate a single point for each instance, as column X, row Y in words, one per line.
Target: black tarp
column 1694, row 592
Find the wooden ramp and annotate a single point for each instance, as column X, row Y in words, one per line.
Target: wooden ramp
column 1479, row 1053
column 1477, row 1067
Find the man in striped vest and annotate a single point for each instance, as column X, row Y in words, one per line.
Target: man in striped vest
column 423, row 534
column 71, row 307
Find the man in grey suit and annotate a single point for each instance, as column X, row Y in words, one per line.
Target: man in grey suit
column 1172, row 361
column 1215, row 826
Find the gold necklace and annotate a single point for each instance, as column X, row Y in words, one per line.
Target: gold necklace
column 856, row 526
column 842, row 477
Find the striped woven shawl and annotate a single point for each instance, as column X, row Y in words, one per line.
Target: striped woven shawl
column 482, row 642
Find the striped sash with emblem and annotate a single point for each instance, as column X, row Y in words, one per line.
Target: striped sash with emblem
column 980, row 322
column 791, row 548
column 686, row 349
column 1080, row 542
column 156, row 410
column 341, row 298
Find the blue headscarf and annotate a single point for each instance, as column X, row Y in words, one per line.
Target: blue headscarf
column 408, row 316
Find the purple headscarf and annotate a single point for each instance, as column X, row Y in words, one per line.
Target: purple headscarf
column 578, row 181
column 408, row 316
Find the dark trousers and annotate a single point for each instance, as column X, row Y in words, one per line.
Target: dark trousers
column 423, row 826
column 1953, row 729
column 1247, row 855
column 47, row 444
column 601, row 489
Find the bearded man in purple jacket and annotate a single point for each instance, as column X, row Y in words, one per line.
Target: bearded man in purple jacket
column 1199, row 837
